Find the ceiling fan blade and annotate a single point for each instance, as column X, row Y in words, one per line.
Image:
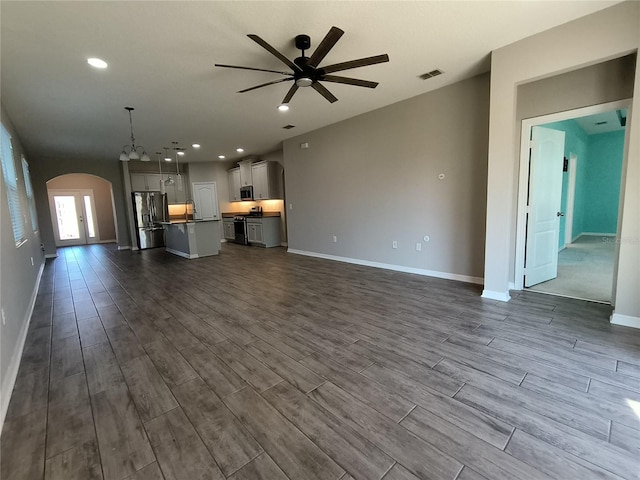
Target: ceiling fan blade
column 349, row 81
column 327, row 43
column 274, row 52
column 265, row 84
column 290, row 93
column 251, row 68
column 318, row 87
column 362, row 62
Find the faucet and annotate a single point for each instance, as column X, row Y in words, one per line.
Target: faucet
column 186, row 210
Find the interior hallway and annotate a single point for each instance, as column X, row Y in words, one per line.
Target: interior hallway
column 257, row 364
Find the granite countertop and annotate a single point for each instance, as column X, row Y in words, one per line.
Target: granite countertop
column 246, row 214
column 182, row 222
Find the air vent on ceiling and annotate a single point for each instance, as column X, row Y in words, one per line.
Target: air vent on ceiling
column 432, row 73
column 289, row 127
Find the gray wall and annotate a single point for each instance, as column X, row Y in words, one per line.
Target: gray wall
column 373, row 179
column 44, row 169
column 600, row 83
column 18, row 277
column 101, row 196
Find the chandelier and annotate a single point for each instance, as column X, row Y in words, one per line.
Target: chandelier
column 133, row 150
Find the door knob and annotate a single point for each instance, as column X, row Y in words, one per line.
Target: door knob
column 560, row 214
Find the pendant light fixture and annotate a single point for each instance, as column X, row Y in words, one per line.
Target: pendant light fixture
column 167, row 158
column 162, row 187
column 179, row 151
column 133, row 150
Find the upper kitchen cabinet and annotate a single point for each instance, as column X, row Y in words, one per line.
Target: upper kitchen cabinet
column 143, row 182
column 246, row 173
column 234, row 184
column 267, row 180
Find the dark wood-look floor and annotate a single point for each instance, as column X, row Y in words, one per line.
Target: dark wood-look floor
column 256, row 364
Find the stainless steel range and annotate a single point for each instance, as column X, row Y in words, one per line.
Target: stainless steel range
column 240, row 229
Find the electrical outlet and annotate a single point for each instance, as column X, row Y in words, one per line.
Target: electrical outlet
column 291, row 206
column 418, row 247
column 335, row 239
column 395, row 244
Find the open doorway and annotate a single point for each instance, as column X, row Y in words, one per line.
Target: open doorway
column 578, row 194
column 82, row 209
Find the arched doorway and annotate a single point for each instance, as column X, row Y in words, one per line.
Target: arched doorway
column 82, row 209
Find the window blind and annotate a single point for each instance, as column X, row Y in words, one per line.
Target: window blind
column 11, row 186
column 29, row 189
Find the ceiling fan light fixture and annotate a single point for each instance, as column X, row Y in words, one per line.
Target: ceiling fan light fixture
column 304, row 82
column 283, row 107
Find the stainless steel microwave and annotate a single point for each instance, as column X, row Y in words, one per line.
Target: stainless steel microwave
column 246, row 193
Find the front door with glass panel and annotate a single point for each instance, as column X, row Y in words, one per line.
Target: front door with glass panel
column 73, row 217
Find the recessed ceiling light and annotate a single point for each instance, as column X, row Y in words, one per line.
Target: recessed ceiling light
column 167, row 159
column 239, row 150
column 221, row 157
column 180, row 153
column 283, row 108
column 196, row 145
column 97, row 62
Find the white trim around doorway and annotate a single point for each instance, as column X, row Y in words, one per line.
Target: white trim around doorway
column 523, row 183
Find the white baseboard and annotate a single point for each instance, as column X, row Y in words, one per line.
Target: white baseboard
column 182, row 254
column 388, row 266
column 625, row 320
column 493, row 295
column 14, row 365
column 124, row 247
column 284, row 244
column 108, row 241
column 223, row 240
column 51, row 255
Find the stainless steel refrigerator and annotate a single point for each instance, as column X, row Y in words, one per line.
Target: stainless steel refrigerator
column 150, row 208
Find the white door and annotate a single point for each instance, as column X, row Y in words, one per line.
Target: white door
column 206, row 200
column 73, row 216
column 545, row 194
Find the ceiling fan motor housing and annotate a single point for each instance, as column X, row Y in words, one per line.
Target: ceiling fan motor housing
column 307, row 75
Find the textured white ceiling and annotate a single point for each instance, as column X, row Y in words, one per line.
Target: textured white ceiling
column 602, row 122
column 161, row 57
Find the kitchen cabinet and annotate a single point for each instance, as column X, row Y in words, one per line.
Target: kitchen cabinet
column 267, row 180
column 229, row 229
column 254, row 232
column 264, row 231
column 193, row 239
column 205, row 198
column 246, row 173
column 233, row 176
column 142, row 182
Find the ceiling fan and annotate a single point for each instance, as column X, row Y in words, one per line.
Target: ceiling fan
column 305, row 70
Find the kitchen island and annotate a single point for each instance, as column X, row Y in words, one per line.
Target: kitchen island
column 192, row 239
